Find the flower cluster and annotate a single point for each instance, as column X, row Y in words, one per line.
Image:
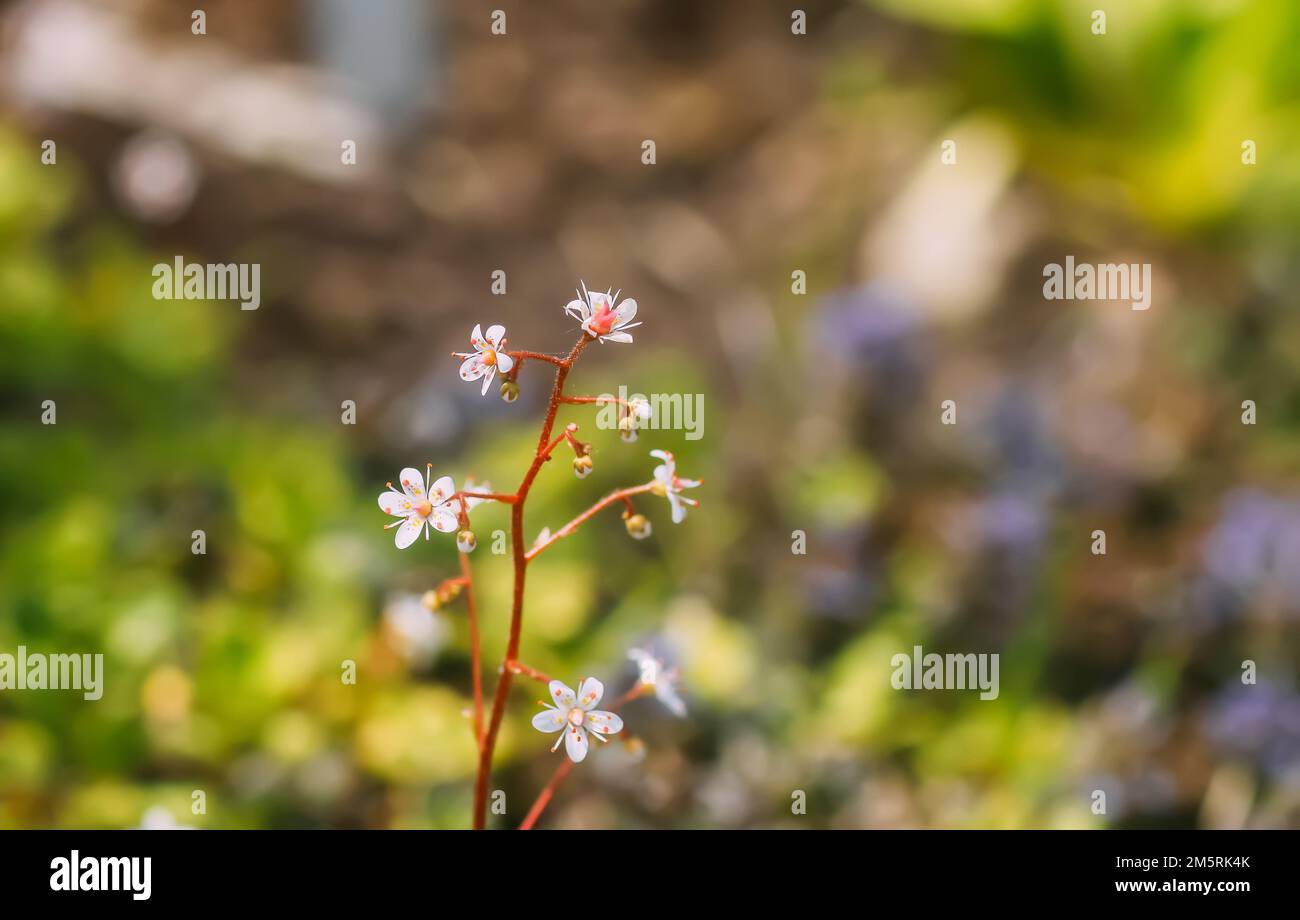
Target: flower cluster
column 603, row 318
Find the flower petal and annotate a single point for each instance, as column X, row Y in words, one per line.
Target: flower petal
column 575, row 743
column 599, row 301
column 473, row 367
column 666, row 693
column 603, row 723
column 409, row 532
column 679, row 507
column 441, row 489
column 476, row 337
column 549, row 720
column 563, row 696
column 578, row 309
column 487, row 379
column 616, row 337
column 495, row 333
column 589, row 693
column 625, row 313
column 472, row 487
column 396, row 504
column 444, row 519
column 504, row 362
column 412, row 483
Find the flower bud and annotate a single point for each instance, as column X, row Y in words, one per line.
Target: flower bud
column 431, row 600
column 638, row 526
column 634, row 747
column 582, row 466
column 466, row 541
column 627, row 434
column 509, row 390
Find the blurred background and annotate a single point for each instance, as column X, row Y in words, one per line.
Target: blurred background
column 775, row 153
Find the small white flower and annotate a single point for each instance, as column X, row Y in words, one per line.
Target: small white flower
column 472, row 488
column 573, row 715
column 158, row 818
column 670, row 484
column 601, row 315
column 487, row 357
column 418, row 510
column 413, row 631
column 660, row 677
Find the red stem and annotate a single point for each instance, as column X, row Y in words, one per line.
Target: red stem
column 596, row 400
column 521, row 567
column 622, row 495
column 520, row 668
column 544, row 798
column 521, row 356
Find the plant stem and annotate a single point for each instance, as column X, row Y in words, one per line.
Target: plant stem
column 520, row 668
column 544, row 798
column 521, row 567
column 622, row 495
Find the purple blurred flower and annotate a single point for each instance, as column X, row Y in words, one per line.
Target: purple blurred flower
column 873, row 329
column 1260, row 721
column 1253, row 554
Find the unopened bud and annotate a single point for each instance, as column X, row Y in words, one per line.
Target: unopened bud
column 638, row 526
column 431, row 600
column 582, row 466
column 634, row 747
column 466, row 541
column 509, row 390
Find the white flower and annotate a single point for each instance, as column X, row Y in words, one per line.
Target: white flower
column 601, row 318
column 668, row 483
column 158, row 818
column 473, row 487
column 413, row 631
column 574, row 715
column 418, row 510
column 487, row 357
column 657, row 675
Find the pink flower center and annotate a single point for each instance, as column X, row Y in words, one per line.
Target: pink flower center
column 602, row 321
column 576, row 716
column 424, row 508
